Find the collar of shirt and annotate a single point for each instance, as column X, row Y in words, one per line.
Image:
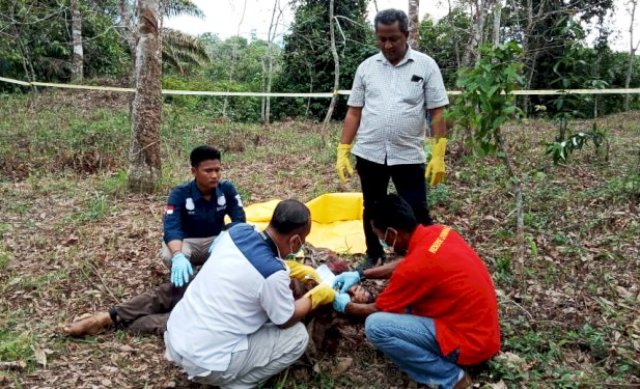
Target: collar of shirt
column 420, row 234
column 408, row 56
column 195, row 192
column 196, row 195
column 270, row 242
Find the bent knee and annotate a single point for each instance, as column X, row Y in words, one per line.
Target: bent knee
column 375, row 326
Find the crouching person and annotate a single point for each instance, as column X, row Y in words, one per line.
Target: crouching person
column 238, row 323
column 438, row 312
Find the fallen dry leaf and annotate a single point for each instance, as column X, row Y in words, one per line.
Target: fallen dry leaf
column 41, row 356
column 343, row 364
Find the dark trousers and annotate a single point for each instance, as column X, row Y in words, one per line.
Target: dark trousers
column 148, row 313
column 410, row 184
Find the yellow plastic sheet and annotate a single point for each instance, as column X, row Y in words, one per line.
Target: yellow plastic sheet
column 336, row 221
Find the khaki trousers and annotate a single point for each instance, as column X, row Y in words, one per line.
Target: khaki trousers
column 196, row 249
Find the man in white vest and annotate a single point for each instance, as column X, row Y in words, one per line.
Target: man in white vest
column 238, row 323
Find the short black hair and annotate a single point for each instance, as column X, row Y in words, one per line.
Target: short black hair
column 390, row 16
column 392, row 211
column 289, row 216
column 203, row 153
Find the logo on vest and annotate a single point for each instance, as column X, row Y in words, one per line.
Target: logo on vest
column 189, row 205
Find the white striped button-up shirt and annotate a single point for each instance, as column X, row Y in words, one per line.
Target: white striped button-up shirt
column 395, row 100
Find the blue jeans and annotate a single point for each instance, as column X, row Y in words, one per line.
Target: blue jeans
column 410, row 342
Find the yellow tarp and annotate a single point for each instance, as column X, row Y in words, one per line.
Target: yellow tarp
column 336, row 221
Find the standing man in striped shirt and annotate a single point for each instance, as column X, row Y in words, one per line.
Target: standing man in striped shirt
column 391, row 95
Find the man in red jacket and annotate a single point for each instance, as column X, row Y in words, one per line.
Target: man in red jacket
column 439, row 310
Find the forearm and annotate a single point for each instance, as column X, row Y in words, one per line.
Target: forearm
column 301, row 308
column 174, row 246
column 351, row 124
column 361, row 310
column 438, row 122
column 382, row 272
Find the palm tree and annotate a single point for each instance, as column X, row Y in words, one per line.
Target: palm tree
column 179, row 50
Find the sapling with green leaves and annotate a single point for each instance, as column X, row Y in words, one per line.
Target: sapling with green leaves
column 486, row 104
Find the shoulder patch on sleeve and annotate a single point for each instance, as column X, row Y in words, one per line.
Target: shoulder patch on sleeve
column 255, row 249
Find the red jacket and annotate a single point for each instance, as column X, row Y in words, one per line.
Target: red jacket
column 443, row 278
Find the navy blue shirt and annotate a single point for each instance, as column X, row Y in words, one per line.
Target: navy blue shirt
column 189, row 215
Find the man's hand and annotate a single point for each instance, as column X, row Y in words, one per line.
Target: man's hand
column 436, row 168
column 343, row 165
column 321, row 295
column 341, row 301
column 181, row 270
column 346, row 280
column 302, row 272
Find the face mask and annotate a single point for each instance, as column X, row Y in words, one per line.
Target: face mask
column 383, row 242
column 293, row 254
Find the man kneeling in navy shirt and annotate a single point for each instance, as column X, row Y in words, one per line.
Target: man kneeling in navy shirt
column 193, row 218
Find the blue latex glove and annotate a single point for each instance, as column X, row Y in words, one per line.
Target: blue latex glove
column 181, row 270
column 340, row 302
column 346, row 280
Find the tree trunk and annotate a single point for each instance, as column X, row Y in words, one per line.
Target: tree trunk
column 456, row 47
column 234, row 59
column 77, row 73
column 263, row 102
column 271, row 34
column 128, row 31
column 632, row 53
column 144, row 153
column 517, row 188
column 336, row 67
column 414, row 22
column 497, row 13
column 477, row 33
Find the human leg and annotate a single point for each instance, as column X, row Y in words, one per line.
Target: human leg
column 412, row 187
column 196, row 249
column 159, row 300
column 410, row 342
column 155, row 324
column 374, row 181
column 271, row 350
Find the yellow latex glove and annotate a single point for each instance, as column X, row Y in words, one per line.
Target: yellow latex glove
column 343, row 165
column 436, row 168
column 321, row 295
column 300, row 271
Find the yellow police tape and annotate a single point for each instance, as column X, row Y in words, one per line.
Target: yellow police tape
column 343, row 92
column 336, row 221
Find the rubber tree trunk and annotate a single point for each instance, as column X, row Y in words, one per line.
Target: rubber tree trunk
column 632, row 53
column 476, row 38
column 273, row 27
column 77, row 73
column 414, row 22
column 336, row 67
column 127, row 30
column 497, row 13
column 144, row 153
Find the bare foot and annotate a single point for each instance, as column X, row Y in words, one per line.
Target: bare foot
column 89, row 326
